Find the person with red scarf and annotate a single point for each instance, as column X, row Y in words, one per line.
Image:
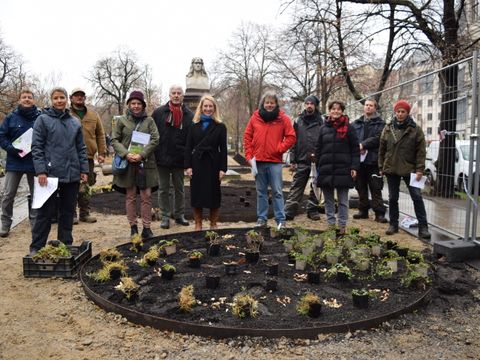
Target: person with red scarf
column 173, row 121
column 338, row 161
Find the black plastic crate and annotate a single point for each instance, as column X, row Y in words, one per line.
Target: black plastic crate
column 65, row 267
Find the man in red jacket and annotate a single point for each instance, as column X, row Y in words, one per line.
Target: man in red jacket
column 268, row 135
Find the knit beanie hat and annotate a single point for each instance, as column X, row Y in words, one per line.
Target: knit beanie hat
column 137, row 95
column 313, row 99
column 402, row 104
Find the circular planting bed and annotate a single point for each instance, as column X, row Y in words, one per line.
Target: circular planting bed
column 266, row 297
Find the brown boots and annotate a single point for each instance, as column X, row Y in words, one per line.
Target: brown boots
column 197, row 216
column 214, row 214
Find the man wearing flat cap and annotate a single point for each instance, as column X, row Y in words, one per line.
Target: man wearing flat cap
column 307, row 127
column 94, row 138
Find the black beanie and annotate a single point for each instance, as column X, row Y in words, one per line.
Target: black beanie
column 312, row 99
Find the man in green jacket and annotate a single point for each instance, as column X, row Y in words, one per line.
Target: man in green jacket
column 94, row 138
column 402, row 152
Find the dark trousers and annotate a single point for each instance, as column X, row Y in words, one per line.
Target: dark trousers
column 67, row 199
column 365, row 182
column 83, row 196
column 415, row 194
column 295, row 195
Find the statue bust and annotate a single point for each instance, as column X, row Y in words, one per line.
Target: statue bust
column 197, row 77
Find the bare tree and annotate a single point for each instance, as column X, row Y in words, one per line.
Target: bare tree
column 114, row 76
column 153, row 93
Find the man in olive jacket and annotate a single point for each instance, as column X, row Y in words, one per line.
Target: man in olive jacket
column 173, row 121
column 94, row 138
column 402, row 152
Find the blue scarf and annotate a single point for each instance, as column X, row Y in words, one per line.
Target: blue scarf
column 205, row 120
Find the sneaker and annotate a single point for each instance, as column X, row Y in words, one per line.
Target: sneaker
column 281, row 225
column 261, row 223
column 165, row 224
column 133, row 230
column 423, row 232
column 392, row 229
column 361, row 215
column 380, row 218
column 181, row 221
column 88, row 219
column 147, row 233
column 313, row 216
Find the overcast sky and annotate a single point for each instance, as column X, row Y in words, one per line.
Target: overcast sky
column 66, row 38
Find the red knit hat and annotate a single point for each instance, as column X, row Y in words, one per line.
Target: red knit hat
column 402, row 104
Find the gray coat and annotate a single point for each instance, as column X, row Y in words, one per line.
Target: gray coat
column 121, row 138
column 58, row 149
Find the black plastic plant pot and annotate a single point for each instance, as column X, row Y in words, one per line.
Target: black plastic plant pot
column 291, row 259
column 313, row 277
column 360, row 301
column 213, row 249
column 314, row 310
column 151, row 262
column 252, row 257
column 168, row 274
column 115, row 274
column 212, row 281
column 133, row 297
column 54, row 243
column 194, row 262
column 271, row 285
column 242, row 199
column 391, row 245
column 230, row 269
column 401, row 251
column 342, row 276
column 272, row 269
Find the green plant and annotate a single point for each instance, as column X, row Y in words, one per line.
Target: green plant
column 186, row 299
column 150, row 256
column 362, row 263
column 110, row 254
column 166, row 243
column 314, row 260
column 334, row 269
column 383, row 270
column 303, row 306
column 103, row 274
column 212, row 236
column 331, row 251
column 254, row 240
column 353, row 230
column 360, row 292
column 299, row 256
column 415, row 257
column 52, row 253
column 372, row 239
column 195, row 254
column 413, row 277
column 245, row 306
column 137, row 243
column 330, row 234
column 128, row 287
column 391, row 255
column 169, row 267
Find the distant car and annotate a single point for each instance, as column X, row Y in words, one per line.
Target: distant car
column 462, row 160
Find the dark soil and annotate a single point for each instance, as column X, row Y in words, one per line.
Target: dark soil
column 159, row 297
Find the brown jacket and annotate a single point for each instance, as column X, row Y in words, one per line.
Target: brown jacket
column 93, row 133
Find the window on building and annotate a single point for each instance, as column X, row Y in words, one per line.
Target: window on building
column 429, row 131
column 419, row 118
column 429, row 116
column 461, row 111
column 430, row 103
column 420, row 103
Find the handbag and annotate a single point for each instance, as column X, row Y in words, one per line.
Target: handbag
column 119, row 165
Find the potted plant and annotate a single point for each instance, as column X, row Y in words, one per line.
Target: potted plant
column 245, row 306
column 350, row 240
column 230, row 267
column 402, row 251
column 169, row 247
column 211, row 236
column 391, row 260
column 383, row 270
column 330, row 234
column 291, row 257
column 360, row 298
column 317, row 240
column 272, row 268
column 390, row 245
column 301, row 234
column 137, row 243
column 128, row 287
column 254, row 240
column 109, row 271
column 212, row 281
column 362, row 263
column 373, row 241
column 291, row 244
column 150, row 257
column 313, row 260
column 168, row 271
column 415, row 257
column 300, row 261
column 413, row 277
column 186, row 299
column 214, row 243
column 340, row 271
column 194, row 258
column 109, row 255
column 310, row 304
column 308, row 245
column 331, row 254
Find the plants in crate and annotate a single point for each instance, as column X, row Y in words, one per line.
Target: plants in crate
column 110, row 271
column 245, row 306
column 169, row 247
column 51, row 253
column 109, row 255
column 194, row 258
column 340, row 271
column 230, row 267
column 150, row 257
column 168, row 271
column 186, row 298
column 128, row 287
column 212, row 281
column 360, row 298
column 310, row 304
column 137, row 243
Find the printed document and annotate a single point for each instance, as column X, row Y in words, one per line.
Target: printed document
column 42, row 193
column 418, row 184
column 139, row 141
column 24, row 142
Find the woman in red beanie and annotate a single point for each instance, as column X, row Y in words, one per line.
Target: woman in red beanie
column 402, row 152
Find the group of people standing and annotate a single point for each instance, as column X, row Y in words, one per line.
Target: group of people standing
column 175, row 141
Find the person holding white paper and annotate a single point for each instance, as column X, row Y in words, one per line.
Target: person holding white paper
column 17, row 124
column 141, row 176
column 59, row 152
column 402, row 151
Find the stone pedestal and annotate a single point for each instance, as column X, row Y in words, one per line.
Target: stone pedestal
column 192, row 97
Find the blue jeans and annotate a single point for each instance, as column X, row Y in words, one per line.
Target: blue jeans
column 415, row 193
column 269, row 174
column 342, row 195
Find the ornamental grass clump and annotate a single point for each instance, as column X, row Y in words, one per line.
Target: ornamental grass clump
column 105, row 273
column 186, row 298
column 109, row 255
column 128, row 287
column 245, row 306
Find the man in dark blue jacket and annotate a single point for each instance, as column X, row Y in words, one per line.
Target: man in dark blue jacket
column 19, row 161
column 173, row 121
column 307, row 128
column 369, row 128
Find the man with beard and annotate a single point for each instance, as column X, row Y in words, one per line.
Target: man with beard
column 306, row 128
column 173, row 121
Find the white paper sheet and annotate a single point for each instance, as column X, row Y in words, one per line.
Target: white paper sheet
column 139, row 141
column 42, row 193
column 24, row 142
column 418, row 184
column 363, row 156
column 254, row 167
